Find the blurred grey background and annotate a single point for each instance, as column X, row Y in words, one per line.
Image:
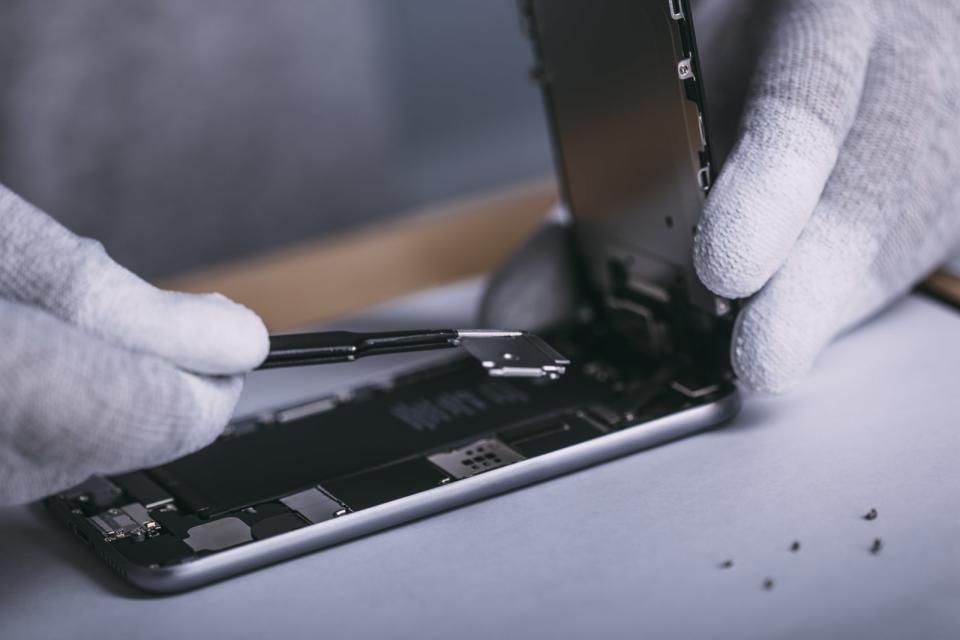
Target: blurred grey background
column 187, row 132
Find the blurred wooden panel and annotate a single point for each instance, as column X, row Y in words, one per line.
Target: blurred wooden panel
column 944, row 285
column 334, row 276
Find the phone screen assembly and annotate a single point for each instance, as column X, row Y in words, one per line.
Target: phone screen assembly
column 619, row 83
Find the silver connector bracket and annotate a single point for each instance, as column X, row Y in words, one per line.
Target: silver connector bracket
column 513, row 354
column 130, row 521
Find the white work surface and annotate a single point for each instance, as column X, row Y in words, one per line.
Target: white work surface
column 627, row 549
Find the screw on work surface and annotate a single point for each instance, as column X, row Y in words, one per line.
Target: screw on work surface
column 768, row 584
column 876, row 547
column 726, row 564
column 870, row 515
column 795, row 546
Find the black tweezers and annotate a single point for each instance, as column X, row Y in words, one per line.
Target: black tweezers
column 503, row 353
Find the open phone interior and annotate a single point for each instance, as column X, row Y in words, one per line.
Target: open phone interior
column 342, row 454
column 619, row 79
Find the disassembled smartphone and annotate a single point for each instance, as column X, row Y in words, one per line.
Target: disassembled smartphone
column 621, row 84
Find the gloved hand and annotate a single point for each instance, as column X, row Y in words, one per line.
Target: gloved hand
column 842, row 191
column 99, row 371
column 844, row 187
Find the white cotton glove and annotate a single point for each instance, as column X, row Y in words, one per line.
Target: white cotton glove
column 844, row 187
column 99, row 371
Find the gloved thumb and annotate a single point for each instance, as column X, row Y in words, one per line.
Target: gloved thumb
column 536, row 286
column 45, row 265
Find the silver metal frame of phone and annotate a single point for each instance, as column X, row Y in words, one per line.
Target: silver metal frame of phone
column 223, row 564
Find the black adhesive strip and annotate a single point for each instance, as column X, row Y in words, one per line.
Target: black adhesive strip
column 370, row 488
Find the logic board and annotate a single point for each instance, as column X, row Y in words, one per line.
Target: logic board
column 335, row 457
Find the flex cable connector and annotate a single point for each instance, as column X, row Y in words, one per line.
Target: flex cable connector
column 502, row 353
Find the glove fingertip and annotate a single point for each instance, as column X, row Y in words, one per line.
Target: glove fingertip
column 743, row 237
column 187, row 416
column 770, row 353
column 228, row 337
column 754, row 374
column 717, row 267
column 216, row 399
